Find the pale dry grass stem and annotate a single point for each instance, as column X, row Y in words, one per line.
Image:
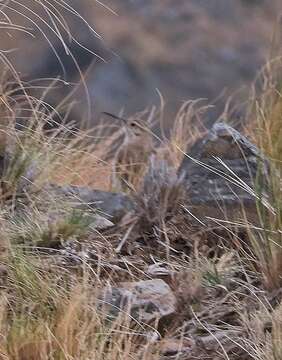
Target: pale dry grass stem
column 187, row 128
column 266, row 131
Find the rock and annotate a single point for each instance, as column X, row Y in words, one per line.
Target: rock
column 101, row 223
column 173, row 347
column 146, row 300
column 224, row 195
column 111, row 206
column 159, row 270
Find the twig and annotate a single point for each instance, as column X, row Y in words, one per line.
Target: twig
column 125, row 237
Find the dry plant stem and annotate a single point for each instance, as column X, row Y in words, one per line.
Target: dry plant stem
column 125, row 237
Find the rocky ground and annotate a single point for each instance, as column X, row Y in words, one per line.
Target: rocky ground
column 181, row 260
column 172, row 270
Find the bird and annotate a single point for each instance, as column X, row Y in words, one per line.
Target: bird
column 132, row 157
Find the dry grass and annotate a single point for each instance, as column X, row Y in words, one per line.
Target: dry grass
column 92, row 165
column 57, row 317
column 51, row 271
column 266, row 132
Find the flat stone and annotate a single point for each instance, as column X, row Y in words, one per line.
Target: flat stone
column 101, row 223
column 145, row 301
column 111, row 206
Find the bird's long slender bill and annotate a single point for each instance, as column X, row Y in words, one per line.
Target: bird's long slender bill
column 114, row 116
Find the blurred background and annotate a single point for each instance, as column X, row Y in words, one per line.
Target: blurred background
column 184, row 49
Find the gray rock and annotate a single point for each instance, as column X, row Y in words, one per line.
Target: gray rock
column 221, row 174
column 112, row 206
column 159, row 270
column 145, row 301
column 101, row 223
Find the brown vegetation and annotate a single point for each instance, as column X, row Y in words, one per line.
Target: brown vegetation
column 55, row 263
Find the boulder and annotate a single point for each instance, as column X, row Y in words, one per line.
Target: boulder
column 145, row 301
column 224, row 174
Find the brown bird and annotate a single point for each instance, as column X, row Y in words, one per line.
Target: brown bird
column 131, row 159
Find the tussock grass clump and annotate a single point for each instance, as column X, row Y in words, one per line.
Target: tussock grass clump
column 49, row 229
column 266, row 241
column 161, row 193
column 57, row 317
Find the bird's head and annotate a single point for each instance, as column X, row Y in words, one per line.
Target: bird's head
column 134, row 128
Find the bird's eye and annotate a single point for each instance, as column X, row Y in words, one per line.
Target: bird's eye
column 133, row 124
